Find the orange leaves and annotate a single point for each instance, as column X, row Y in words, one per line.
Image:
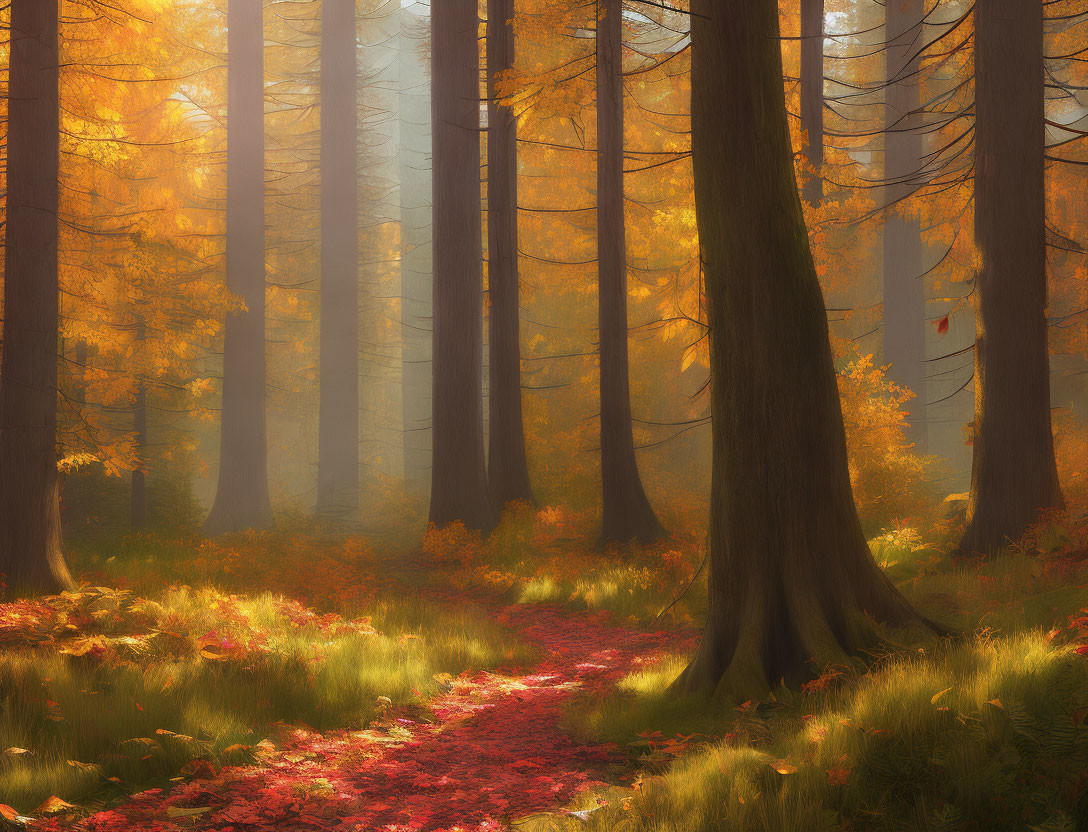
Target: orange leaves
column 452, row 544
column 215, row 647
column 53, row 805
column 827, row 680
column 838, row 776
column 8, row 814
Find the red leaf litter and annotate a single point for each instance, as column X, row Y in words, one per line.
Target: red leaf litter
column 496, row 752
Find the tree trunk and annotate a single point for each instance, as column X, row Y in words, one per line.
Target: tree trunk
column 1014, row 475
column 241, row 499
column 627, row 514
column 138, row 514
column 458, row 480
column 508, row 471
column 812, row 94
column 791, row 577
column 415, row 261
column 904, row 148
column 338, row 428
column 30, row 537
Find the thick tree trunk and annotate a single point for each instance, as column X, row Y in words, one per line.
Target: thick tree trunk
column 627, row 514
column 241, row 499
column 791, row 577
column 415, row 261
column 338, row 428
column 138, row 514
column 1014, row 474
column 508, row 471
column 30, row 537
column 812, row 94
column 904, row 148
column 458, row 480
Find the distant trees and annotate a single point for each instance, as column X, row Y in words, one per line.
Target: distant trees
column 627, row 514
column 414, row 173
column 1014, row 474
column 791, row 576
column 508, row 471
column 241, row 499
column 459, row 489
column 30, row 534
column 338, row 430
column 138, row 508
column 904, row 163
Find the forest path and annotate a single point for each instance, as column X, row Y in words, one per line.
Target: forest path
column 495, row 752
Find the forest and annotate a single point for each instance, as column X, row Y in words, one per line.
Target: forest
column 544, row 415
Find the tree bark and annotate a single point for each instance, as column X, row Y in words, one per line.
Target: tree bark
column 415, row 261
column 791, row 577
column 458, row 479
column 627, row 514
column 904, row 149
column 30, row 536
column 508, row 470
column 338, row 427
column 241, row 499
column 812, row 94
column 1014, row 475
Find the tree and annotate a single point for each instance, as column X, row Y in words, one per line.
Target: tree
column 138, row 508
column 458, row 479
column 812, row 94
column 1014, row 474
column 414, row 175
column 508, row 471
column 241, row 498
column 904, row 148
column 627, row 514
column 30, row 537
column 338, row 429
column 791, row 576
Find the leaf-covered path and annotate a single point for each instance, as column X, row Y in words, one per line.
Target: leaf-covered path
column 496, row 751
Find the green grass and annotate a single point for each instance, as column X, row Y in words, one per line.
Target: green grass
column 135, row 699
column 983, row 732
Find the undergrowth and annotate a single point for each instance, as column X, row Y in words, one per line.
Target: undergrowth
column 139, row 678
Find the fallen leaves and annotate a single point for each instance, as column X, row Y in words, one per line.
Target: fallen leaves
column 490, row 745
column 783, row 767
column 52, row 805
column 933, row 700
column 838, row 776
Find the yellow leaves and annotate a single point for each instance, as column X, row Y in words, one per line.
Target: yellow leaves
column 699, row 351
column 933, row 700
column 87, row 645
column 74, row 461
column 783, row 767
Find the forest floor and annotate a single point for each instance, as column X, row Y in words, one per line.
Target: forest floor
column 492, row 748
column 301, row 681
column 477, row 750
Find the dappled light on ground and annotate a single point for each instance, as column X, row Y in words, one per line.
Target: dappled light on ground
column 495, row 750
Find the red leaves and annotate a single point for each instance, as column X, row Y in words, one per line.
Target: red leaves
column 826, row 680
column 497, row 750
column 838, row 776
column 942, row 326
column 215, row 647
